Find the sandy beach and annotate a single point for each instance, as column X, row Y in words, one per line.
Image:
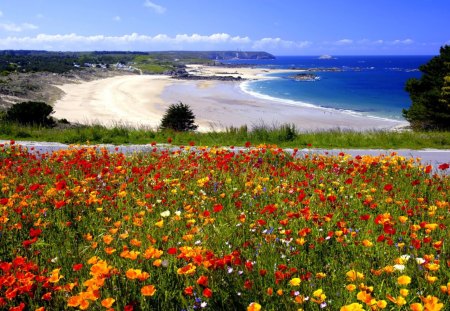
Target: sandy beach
column 141, row 100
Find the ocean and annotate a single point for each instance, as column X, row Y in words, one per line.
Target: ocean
column 368, row 85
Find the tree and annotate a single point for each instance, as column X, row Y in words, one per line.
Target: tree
column 430, row 108
column 30, row 113
column 179, row 117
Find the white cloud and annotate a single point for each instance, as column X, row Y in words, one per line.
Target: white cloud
column 135, row 41
column 344, row 42
column 278, row 43
column 117, row 18
column 156, row 7
column 11, row 27
column 406, row 41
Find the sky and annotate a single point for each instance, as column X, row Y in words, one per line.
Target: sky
column 280, row 27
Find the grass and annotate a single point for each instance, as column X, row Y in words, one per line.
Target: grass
column 221, row 230
column 150, row 65
column 286, row 136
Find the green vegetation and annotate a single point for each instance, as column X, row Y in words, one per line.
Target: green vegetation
column 150, row 64
column 29, row 113
column 430, row 109
column 283, row 136
column 24, row 61
column 180, row 118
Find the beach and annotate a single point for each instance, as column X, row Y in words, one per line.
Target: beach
column 141, row 100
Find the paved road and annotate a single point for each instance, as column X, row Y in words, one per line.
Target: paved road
column 435, row 157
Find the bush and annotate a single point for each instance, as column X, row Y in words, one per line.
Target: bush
column 29, row 113
column 430, row 108
column 179, row 117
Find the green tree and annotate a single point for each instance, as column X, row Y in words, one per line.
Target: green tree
column 430, row 108
column 179, row 117
column 30, row 113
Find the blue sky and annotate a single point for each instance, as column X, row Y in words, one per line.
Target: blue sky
column 281, row 27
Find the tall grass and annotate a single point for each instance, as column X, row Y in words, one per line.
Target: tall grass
column 286, row 135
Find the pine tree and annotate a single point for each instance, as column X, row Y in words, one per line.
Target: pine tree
column 430, row 109
column 179, row 117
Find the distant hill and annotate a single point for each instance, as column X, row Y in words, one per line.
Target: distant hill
column 157, row 62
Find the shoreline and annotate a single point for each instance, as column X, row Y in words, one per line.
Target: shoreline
column 141, row 100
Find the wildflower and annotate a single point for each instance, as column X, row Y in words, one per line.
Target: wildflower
column 295, row 282
column 364, row 296
column 367, row 243
column 319, row 295
column 432, row 303
column 352, row 307
column 399, row 301
column 399, row 267
column 254, row 306
column 445, row 289
column 432, row 266
column 420, row 261
column 404, row 292
column 108, row 302
column 403, row 280
column 381, row 304
column 77, row 267
column 320, row 275
column 350, row 287
column 189, row 291
column 416, row 307
column 165, row 214
column 207, row 293
column 353, row 275
column 202, row 280
column 430, row 278
column 148, row 290
column 133, row 273
column 160, row 223
column 55, row 277
column 187, row 270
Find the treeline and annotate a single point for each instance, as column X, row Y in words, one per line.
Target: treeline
column 58, row 62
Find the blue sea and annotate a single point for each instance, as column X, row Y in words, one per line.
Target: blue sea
column 368, row 85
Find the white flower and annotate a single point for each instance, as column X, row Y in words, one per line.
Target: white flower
column 54, row 260
column 178, row 213
column 165, row 214
column 399, row 267
column 405, row 257
column 420, row 260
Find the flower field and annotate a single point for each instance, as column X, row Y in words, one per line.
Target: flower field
column 221, row 229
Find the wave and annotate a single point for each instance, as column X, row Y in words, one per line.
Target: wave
column 246, row 88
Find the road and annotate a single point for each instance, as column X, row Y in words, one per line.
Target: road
column 434, row 157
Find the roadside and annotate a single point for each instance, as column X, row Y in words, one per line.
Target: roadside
column 433, row 157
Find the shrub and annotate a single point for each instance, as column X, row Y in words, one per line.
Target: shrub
column 179, row 117
column 28, row 113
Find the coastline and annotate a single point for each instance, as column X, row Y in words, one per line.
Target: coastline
column 141, row 100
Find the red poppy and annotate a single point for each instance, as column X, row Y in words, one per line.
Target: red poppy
column 217, row 208
column 172, row 251
column 207, row 293
column 444, row 166
column 77, row 267
column 202, row 280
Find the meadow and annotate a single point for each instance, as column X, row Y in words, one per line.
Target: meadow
column 221, row 229
column 285, row 135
